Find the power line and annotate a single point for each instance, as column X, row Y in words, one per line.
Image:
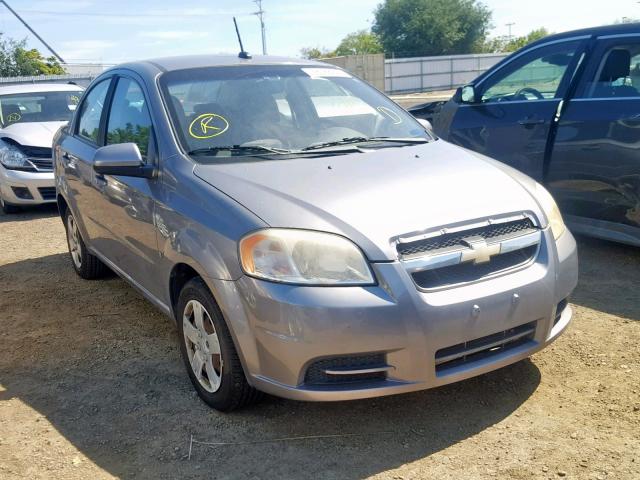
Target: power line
column 510, row 24
column 260, row 14
column 32, row 31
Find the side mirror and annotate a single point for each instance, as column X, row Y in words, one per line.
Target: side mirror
column 426, row 124
column 122, row 159
column 468, row 94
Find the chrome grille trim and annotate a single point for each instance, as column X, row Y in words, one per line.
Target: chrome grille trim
column 41, row 164
column 455, row 256
column 468, row 253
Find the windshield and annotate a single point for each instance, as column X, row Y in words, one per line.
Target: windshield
column 37, row 107
column 282, row 108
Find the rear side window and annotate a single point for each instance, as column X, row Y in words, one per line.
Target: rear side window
column 618, row 74
column 91, row 112
column 129, row 119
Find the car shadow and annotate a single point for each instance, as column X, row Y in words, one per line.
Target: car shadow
column 607, row 271
column 30, row 213
column 109, row 378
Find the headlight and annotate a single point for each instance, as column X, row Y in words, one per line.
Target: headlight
column 11, row 157
column 304, row 257
column 551, row 210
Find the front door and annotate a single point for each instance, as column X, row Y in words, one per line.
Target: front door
column 127, row 204
column 514, row 109
column 594, row 172
column 76, row 155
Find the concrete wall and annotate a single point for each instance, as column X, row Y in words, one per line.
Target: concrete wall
column 82, row 74
column 424, row 74
column 367, row 67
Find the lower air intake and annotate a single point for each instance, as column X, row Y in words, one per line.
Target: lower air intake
column 347, row 369
column 483, row 348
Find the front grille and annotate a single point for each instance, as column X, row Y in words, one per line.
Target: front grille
column 47, row 193
column 36, row 152
column 451, row 240
column 316, row 373
column 483, row 348
column 470, row 272
column 42, row 164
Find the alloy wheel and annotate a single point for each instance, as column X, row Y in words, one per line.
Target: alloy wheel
column 73, row 237
column 203, row 346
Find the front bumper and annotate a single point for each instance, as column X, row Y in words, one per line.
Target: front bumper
column 280, row 330
column 39, row 185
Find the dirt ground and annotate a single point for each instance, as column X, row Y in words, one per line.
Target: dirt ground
column 92, row 386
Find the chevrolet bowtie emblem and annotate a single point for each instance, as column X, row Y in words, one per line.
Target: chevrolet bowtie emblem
column 479, row 251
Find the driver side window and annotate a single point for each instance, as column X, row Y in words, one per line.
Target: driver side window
column 536, row 75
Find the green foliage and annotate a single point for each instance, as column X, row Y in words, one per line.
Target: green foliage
column 316, row 52
column 359, row 43
column 431, row 27
column 504, row 44
column 138, row 135
column 16, row 60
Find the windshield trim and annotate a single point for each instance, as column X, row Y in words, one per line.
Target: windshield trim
column 182, row 144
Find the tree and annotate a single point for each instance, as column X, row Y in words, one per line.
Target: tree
column 359, row 43
column 504, row 44
column 16, row 60
column 431, row 27
column 316, row 52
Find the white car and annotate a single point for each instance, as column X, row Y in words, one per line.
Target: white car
column 30, row 115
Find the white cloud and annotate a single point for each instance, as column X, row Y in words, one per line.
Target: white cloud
column 85, row 49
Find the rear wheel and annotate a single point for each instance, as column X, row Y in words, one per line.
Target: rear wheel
column 8, row 208
column 208, row 351
column 85, row 264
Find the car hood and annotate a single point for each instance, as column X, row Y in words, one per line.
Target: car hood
column 374, row 197
column 34, row 134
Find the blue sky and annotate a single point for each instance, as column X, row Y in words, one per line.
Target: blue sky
column 118, row 30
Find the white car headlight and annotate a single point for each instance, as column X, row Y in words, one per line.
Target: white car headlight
column 551, row 210
column 11, row 157
column 304, row 257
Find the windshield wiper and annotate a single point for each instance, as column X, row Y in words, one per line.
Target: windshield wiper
column 239, row 148
column 351, row 140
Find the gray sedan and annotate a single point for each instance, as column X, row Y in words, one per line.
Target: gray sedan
column 310, row 238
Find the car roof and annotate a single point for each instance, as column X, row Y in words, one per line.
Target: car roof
column 619, row 29
column 167, row 64
column 38, row 88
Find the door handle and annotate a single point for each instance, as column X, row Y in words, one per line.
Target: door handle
column 69, row 160
column 530, row 122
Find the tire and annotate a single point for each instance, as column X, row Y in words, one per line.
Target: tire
column 209, row 350
column 8, row 208
column 85, row 264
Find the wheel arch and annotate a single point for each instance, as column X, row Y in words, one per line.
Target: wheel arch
column 63, row 206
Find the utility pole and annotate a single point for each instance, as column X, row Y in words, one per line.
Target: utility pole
column 260, row 14
column 511, row 24
column 32, row 31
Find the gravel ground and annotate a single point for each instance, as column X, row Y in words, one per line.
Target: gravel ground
column 92, row 386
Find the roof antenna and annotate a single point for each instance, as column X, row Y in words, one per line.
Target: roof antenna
column 242, row 53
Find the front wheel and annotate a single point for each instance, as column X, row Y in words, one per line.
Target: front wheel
column 8, row 208
column 208, row 351
column 85, row 264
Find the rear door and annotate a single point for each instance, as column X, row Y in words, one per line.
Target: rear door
column 515, row 106
column 594, row 171
column 76, row 156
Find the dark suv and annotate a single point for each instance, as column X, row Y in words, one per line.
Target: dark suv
column 566, row 111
